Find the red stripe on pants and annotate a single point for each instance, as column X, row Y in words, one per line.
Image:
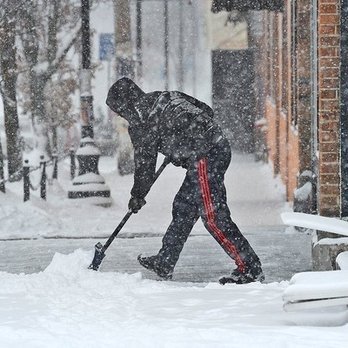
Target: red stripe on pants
column 211, row 218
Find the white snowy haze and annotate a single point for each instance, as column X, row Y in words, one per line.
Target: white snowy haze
column 49, row 299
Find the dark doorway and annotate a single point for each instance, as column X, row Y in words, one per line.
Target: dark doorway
column 234, row 96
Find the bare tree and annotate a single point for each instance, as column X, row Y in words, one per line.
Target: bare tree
column 58, row 103
column 49, row 29
column 8, row 71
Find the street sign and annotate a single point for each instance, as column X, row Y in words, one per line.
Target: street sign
column 106, row 46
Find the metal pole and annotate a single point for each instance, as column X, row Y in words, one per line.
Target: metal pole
column 26, row 180
column 166, row 45
column 88, row 153
column 314, row 104
column 86, row 45
column 139, row 40
column 181, row 45
column 86, row 98
column 72, row 163
column 194, row 46
column 43, row 178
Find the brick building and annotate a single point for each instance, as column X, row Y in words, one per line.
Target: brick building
column 305, row 85
column 305, row 89
column 301, row 86
column 300, row 51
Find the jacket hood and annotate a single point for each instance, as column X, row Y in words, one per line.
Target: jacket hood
column 122, row 96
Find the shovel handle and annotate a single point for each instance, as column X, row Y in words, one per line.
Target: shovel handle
column 129, row 213
column 117, row 230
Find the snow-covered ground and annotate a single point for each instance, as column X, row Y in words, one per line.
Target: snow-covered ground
column 50, row 299
column 70, row 306
column 67, row 305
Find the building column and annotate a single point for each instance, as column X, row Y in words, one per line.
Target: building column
column 329, row 180
column 344, row 107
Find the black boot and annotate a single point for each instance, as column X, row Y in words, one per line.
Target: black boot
column 253, row 274
column 153, row 263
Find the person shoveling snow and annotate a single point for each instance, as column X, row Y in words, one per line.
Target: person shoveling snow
column 183, row 129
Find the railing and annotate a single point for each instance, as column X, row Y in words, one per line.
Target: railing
column 29, row 185
column 27, row 182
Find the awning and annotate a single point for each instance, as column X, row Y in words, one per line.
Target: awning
column 247, row 5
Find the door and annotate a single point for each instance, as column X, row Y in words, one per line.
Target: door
column 234, row 96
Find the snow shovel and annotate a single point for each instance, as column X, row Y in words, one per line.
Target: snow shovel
column 99, row 248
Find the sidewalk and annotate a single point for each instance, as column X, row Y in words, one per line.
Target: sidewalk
column 256, row 200
column 255, row 197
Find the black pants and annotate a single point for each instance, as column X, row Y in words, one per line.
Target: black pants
column 203, row 194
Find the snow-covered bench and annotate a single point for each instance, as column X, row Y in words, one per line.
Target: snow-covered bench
column 316, row 222
column 333, row 241
column 310, row 290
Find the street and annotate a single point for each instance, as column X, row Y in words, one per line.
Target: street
column 202, row 260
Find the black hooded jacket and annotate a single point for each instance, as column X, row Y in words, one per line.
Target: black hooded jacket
column 172, row 123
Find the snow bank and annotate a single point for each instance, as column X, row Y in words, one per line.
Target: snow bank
column 68, row 305
column 28, row 221
column 317, row 285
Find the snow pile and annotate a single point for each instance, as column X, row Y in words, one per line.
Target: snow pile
column 317, row 285
column 68, row 305
column 342, row 260
column 60, row 216
column 27, row 221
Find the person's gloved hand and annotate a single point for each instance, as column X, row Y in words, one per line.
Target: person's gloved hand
column 135, row 204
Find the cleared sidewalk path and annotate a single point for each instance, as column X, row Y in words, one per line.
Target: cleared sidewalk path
column 201, row 261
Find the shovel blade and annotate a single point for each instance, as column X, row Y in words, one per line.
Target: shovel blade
column 98, row 257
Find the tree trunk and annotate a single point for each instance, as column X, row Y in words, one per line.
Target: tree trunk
column 2, row 183
column 124, row 61
column 9, row 75
column 124, row 67
column 38, row 112
column 54, row 139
